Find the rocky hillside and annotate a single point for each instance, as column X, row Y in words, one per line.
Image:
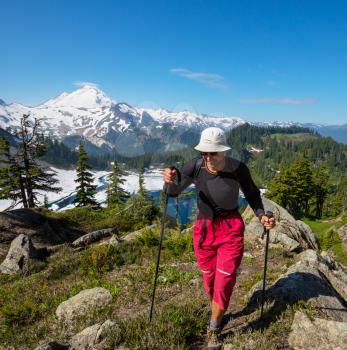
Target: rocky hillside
column 94, row 293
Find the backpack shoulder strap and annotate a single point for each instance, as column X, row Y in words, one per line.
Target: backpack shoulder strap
column 197, row 167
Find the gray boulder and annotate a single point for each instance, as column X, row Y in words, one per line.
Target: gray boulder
column 290, row 233
column 317, row 334
column 334, row 272
column 17, row 259
column 92, row 337
column 92, row 237
column 83, row 303
column 315, row 279
column 114, row 241
column 132, row 235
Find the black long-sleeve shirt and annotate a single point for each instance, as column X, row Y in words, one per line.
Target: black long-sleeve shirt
column 219, row 191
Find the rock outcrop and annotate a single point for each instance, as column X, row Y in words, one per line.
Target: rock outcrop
column 94, row 236
column 18, row 256
column 32, row 223
column 290, row 233
column 81, row 304
column 92, row 337
column 316, row 334
column 315, row 278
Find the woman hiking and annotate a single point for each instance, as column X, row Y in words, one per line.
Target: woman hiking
column 219, row 229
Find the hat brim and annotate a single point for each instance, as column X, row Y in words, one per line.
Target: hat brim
column 211, row 148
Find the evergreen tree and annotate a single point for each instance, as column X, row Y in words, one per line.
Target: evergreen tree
column 11, row 182
column 142, row 189
column 293, row 187
column 144, row 209
column 279, row 189
column 336, row 200
column 26, row 175
column 45, row 201
column 321, row 187
column 303, row 188
column 86, row 191
column 115, row 192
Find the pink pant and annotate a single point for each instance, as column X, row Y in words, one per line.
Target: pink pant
column 220, row 254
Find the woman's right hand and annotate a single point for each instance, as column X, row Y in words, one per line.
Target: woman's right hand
column 169, row 175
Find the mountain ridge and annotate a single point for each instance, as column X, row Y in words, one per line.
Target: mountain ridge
column 89, row 113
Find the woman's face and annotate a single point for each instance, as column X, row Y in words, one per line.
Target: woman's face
column 214, row 159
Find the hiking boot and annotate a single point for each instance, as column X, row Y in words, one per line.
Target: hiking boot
column 213, row 343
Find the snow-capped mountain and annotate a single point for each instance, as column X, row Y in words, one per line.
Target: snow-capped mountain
column 106, row 124
column 89, row 113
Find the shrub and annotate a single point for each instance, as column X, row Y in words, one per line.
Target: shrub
column 143, row 210
column 19, row 314
column 148, row 238
column 103, row 258
column 178, row 244
column 171, row 274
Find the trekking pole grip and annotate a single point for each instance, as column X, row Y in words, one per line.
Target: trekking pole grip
column 270, row 215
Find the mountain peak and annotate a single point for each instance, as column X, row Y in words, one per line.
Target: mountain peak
column 87, row 96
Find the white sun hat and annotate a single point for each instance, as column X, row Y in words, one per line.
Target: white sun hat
column 212, row 140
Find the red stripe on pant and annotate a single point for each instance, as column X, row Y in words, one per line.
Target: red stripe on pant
column 220, row 254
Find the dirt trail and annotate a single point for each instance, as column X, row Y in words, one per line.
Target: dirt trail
column 247, row 269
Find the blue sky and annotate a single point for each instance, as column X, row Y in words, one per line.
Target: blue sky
column 259, row 60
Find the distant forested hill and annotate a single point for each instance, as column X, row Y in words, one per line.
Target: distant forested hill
column 265, row 149
column 262, row 148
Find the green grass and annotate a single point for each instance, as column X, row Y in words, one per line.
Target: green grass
column 28, row 304
column 320, row 227
column 328, row 238
column 172, row 274
column 291, row 136
column 171, row 328
column 274, row 335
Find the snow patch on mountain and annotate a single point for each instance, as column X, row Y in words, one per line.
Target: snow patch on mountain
column 87, row 96
column 89, row 113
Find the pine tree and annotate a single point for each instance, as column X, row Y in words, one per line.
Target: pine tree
column 26, row 175
column 115, row 192
column 144, row 209
column 86, row 191
column 293, row 187
column 279, row 188
column 11, row 182
column 142, row 189
column 45, row 202
column 321, row 187
column 303, row 186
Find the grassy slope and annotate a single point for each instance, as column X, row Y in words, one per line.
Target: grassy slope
column 327, row 236
column 298, row 136
column 28, row 304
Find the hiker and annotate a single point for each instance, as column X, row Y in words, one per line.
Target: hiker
column 219, row 229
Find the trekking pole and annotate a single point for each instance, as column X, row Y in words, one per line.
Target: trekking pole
column 266, row 232
column 166, row 197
